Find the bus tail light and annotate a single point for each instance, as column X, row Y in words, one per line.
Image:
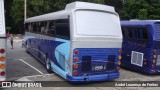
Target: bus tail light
column 119, row 63
column 75, row 72
column 145, row 62
column 75, row 66
column 120, row 51
column 3, row 73
column 155, row 51
column 76, row 52
column 2, row 58
column 2, row 51
column 154, row 71
column 119, row 57
column 75, row 59
column 2, row 66
column 118, row 68
column 155, row 56
column 154, row 61
column 153, row 66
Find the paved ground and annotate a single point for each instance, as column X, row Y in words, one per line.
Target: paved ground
column 20, row 63
column 23, row 67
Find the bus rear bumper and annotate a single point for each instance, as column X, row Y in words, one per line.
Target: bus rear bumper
column 93, row 78
column 153, row 71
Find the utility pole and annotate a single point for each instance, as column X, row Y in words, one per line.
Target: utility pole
column 25, row 10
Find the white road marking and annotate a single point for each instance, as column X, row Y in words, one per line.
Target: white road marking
column 31, row 66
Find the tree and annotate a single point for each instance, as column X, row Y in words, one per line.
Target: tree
column 127, row 9
column 38, row 7
column 118, row 4
column 17, row 13
column 142, row 14
column 8, row 17
column 134, row 9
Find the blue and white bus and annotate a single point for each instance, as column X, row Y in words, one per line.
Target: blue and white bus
column 141, row 45
column 80, row 43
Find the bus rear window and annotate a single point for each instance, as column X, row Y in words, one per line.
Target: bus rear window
column 157, row 31
column 96, row 23
column 136, row 32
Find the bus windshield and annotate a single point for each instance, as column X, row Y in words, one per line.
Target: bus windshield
column 96, row 23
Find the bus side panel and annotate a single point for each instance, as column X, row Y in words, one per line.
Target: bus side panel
column 58, row 51
column 61, row 57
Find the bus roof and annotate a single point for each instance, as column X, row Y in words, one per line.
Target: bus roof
column 63, row 14
column 50, row 16
column 139, row 22
column 86, row 5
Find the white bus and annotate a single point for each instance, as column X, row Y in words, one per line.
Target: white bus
column 2, row 43
column 80, row 43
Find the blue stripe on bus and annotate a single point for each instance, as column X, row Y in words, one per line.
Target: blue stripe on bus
column 52, row 46
column 63, row 48
column 59, row 71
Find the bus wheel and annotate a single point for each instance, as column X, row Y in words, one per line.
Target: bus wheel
column 48, row 65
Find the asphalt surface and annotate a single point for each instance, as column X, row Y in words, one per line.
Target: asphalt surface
column 16, row 68
column 23, row 66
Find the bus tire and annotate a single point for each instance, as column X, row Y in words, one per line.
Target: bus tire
column 48, row 65
column 27, row 51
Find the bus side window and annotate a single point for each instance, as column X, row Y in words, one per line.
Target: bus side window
column 35, row 27
column 47, row 27
column 125, row 32
column 38, row 27
column 130, row 33
column 137, row 31
column 42, row 27
column 134, row 33
column 62, row 29
column 51, row 29
column 145, row 34
column 30, row 27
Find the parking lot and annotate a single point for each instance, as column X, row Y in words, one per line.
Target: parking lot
column 22, row 66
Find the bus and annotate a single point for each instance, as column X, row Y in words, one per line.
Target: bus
column 3, row 42
column 141, row 45
column 80, row 43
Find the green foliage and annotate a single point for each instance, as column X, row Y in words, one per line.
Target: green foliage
column 60, row 4
column 141, row 9
column 142, row 14
column 118, row 4
column 38, row 7
column 17, row 13
column 127, row 9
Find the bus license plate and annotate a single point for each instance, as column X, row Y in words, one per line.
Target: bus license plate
column 97, row 68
